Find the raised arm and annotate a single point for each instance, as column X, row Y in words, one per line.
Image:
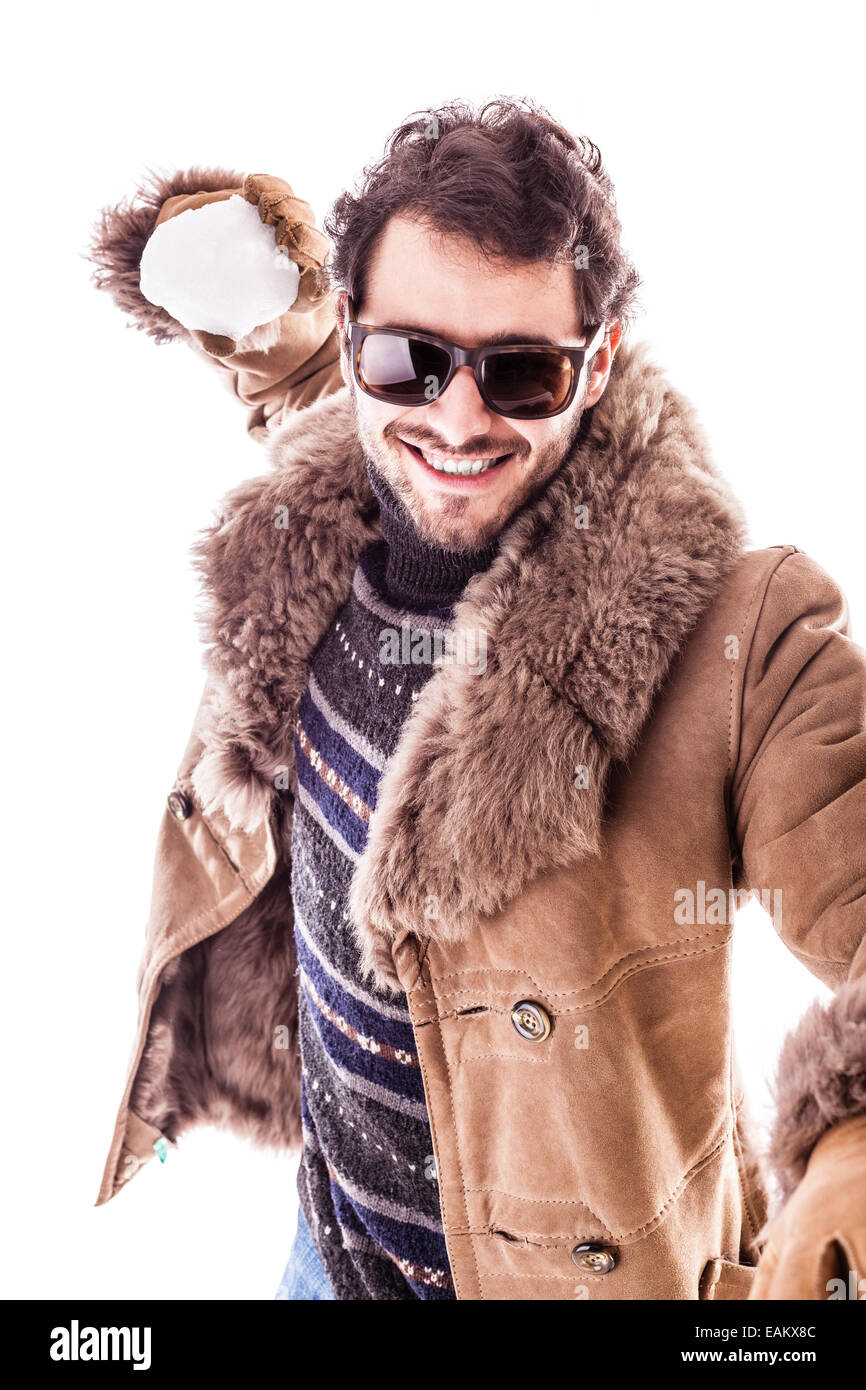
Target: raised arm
column 278, row 366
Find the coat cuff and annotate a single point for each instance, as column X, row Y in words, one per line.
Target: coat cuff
column 821, row 1079
column 122, row 231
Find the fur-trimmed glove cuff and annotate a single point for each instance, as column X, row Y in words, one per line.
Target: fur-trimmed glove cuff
column 122, row 234
column 821, row 1080
column 123, row 230
column 816, row 1248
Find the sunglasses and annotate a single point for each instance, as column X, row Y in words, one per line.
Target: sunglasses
column 523, row 381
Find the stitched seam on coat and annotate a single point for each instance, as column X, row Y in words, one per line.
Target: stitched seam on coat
column 548, row 1202
column 736, row 1104
column 741, row 1175
column 160, row 961
column 625, row 975
column 697, row 1167
column 766, row 581
column 459, row 1155
column 563, row 993
column 558, row 1239
column 163, row 959
column 542, row 1201
column 544, row 1242
column 222, row 921
column 680, row 1188
column 436, row 1146
column 569, row 1277
column 186, row 786
column 503, row 1056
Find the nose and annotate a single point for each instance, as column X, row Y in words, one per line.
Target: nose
column 459, row 413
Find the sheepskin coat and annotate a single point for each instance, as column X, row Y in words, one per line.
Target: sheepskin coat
column 666, row 722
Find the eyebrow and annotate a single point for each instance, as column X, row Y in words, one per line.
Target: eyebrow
column 503, row 339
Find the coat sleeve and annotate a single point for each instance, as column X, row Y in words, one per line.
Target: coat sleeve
column 277, row 368
column 798, row 815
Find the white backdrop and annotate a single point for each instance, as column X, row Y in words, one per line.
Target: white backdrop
column 734, row 139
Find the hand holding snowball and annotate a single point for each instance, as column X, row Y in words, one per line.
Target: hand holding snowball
column 232, row 265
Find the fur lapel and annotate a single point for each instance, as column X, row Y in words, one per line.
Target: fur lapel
column 581, row 621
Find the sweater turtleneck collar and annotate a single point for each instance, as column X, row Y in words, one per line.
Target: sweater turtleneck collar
column 417, row 573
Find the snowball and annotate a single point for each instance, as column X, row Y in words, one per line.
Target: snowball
column 218, row 269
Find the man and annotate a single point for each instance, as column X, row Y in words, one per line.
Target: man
column 502, row 722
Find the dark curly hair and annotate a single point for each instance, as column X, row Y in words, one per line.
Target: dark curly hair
column 509, row 177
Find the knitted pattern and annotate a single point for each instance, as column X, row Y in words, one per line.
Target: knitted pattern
column 367, row 1181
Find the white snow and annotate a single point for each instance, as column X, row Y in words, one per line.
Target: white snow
column 218, row 269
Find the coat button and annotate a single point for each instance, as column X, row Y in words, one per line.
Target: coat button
column 179, row 805
column 531, row 1020
column 595, row 1259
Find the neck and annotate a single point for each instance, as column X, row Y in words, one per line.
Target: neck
column 419, row 573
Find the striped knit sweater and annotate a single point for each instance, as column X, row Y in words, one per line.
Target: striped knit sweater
column 367, row 1180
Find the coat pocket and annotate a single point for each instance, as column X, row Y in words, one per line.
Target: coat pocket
column 726, row 1279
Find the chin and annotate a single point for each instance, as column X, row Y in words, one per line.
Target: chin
column 448, row 522
column 454, row 532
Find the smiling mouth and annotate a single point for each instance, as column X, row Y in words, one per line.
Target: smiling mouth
column 456, row 467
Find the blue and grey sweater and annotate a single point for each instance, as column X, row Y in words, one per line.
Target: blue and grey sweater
column 367, row 1180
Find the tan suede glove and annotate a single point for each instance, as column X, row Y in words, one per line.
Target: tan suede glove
column 295, row 233
column 276, row 369
column 820, row 1234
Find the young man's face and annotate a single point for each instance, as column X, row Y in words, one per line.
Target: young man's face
column 441, row 285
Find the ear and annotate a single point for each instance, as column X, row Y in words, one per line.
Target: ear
column 341, row 311
column 602, row 363
column 341, row 308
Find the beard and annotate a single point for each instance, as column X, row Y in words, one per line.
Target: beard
column 450, row 526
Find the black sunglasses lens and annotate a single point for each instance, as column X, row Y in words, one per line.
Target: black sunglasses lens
column 527, row 385
column 404, row 371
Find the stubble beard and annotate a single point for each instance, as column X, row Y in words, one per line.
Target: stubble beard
column 449, row 527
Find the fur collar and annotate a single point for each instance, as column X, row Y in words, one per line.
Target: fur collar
column 581, row 622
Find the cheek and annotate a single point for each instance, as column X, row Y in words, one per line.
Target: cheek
column 377, row 416
column 540, row 435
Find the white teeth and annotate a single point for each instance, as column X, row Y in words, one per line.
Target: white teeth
column 463, row 467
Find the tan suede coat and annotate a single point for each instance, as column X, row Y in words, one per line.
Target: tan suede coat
column 665, row 718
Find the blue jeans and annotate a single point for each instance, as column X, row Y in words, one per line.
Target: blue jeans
column 304, row 1276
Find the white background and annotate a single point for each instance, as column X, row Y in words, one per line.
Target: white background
column 734, row 139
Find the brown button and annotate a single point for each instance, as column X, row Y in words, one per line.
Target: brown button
column 531, row 1020
column 179, row 805
column 595, row 1259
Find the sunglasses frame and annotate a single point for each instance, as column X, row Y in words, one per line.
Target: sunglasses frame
column 466, row 357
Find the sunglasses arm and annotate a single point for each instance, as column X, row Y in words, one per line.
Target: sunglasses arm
column 597, row 341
